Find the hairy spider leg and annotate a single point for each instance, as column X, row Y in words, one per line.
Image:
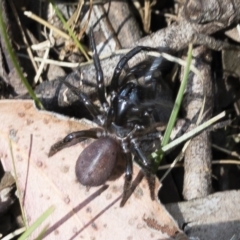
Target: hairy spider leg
column 151, row 183
column 128, row 179
column 122, row 63
column 145, row 69
column 99, row 74
column 74, row 138
column 93, row 110
column 143, row 161
column 147, row 167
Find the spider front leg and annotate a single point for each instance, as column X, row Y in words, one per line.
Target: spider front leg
column 123, row 61
column 128, row 180
column 74, row 138
column 147, row 167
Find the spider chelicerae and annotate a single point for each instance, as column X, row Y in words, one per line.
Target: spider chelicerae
column 128, row 119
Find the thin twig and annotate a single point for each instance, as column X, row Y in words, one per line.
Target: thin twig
column 231, row 153
column 46, row 24
column 30, row 54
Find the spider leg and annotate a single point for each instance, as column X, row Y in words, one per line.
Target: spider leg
column 85, row 99
column 147, row 166
column 74, row 138
column 143, row 161
column 122, row 63
column 99, row 73
column 128, row 180
column 150, row 70
column 151, row 183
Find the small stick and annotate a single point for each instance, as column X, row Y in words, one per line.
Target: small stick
column 46, row 24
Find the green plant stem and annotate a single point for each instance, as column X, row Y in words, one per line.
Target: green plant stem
column 18, row 190
column 176, row 107
column 36, row 224
column 15, row 62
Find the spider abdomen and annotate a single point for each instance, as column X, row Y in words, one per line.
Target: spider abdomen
column 97, row 161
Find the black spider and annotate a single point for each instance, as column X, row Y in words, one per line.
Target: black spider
column 127, row 120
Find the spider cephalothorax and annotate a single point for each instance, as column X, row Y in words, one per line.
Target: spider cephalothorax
column 128, row 119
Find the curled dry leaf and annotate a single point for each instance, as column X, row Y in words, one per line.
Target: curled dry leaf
column 80, row 213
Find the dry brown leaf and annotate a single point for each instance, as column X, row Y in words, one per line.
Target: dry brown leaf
column 80, row 213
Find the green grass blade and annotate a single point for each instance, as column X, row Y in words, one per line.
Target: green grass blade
column 176, row 107
column 18, row 189
column 15, row 62
column 193, row 132
column 42, row 233
column 71, row 33
column 36, row 224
